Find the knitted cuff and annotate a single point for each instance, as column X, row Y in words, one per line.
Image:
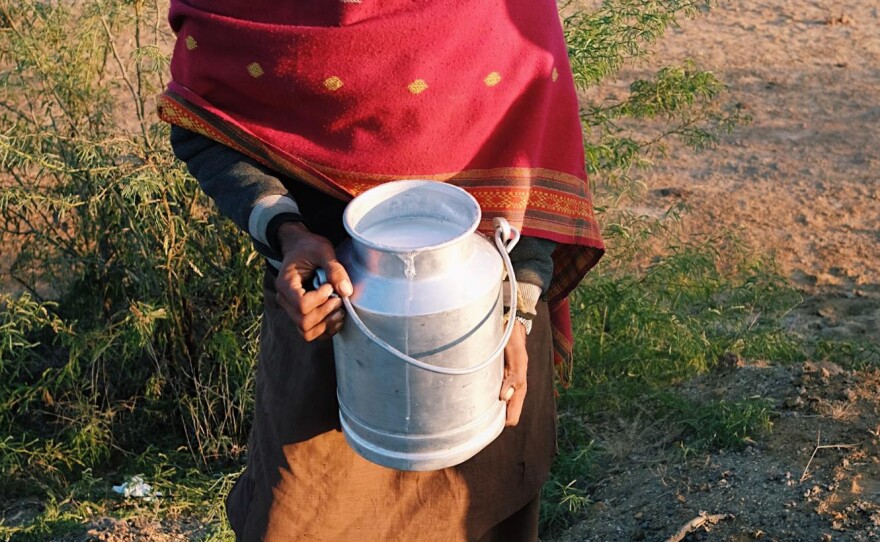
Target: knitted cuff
column 526, row 303
column 271, row 211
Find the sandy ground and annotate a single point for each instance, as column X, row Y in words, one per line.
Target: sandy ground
column 816, row 477
column 801, row 183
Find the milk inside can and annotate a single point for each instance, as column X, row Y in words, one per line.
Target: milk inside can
column 419, row 362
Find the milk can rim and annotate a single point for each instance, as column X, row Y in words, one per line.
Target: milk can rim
column 414, row 182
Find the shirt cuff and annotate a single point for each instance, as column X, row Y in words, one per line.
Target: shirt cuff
column 268, row 214
column 528, row 296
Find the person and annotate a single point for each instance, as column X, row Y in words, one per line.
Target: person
column 284, row 111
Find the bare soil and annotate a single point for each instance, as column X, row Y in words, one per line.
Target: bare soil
column 815, row 477
column 139, row 530
column 800, row 183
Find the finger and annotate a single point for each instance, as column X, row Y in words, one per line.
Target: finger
column 516, row 367
column 314, row 333
column 515, row 382
column 289, row 280
column 326, row 328
column 338, row 277
column 321, row 313
column 335, row 323
column 307, row 302
column 512, row 381
column 298, row 304
column 515, row 406
column 338, row 318
column 292, row 311
column 508, row 394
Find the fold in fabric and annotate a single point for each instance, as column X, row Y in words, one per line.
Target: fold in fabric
column 344, row 96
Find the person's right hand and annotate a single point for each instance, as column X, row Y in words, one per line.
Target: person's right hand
column 315, row 313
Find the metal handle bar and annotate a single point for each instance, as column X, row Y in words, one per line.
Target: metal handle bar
column 506, row 238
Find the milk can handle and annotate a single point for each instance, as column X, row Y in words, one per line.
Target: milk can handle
column 506, row 237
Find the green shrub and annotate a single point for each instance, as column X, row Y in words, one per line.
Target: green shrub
column 139, row 323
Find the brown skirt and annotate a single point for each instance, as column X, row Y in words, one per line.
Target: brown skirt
column 303, row 481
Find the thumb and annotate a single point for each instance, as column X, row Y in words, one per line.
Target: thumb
column 338, row 277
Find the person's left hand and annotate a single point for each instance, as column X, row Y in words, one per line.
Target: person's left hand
column 516, row 366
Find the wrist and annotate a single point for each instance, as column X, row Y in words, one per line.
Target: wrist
column 289, row 233
column 267, row 214
column 525, row 308
column 525, row 320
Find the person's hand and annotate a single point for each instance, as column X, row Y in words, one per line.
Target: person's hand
column 516, row 366
column 315, row 313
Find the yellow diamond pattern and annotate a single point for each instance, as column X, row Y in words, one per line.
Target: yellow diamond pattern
column 418, row 86
column 255, row 70
column 554, row 75
column 492, row 79
column 333, row 83
column 191, row 43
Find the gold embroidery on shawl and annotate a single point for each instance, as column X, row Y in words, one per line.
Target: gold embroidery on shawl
column 255, row 70
column 418, row 86
column 333, row 83
column 492, row 79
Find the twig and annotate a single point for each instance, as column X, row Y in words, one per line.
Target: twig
column 135, row 92
column 823, row 447
column 111, row 42
column 702, row 520
column 35, row 58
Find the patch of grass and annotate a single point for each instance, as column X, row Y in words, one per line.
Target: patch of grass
column 187, row 493
column 565, row 495
column 850, row 354
column 641, row 331
column 650, row 328
column 716, row 424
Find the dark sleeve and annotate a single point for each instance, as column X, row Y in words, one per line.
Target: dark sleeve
column 532, row 260
column 257, row 201
column 242, row 188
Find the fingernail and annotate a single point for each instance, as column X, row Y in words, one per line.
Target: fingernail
column 345, row 288
column 509, row 393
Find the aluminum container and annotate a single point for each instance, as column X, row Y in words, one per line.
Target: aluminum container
column 419, row 362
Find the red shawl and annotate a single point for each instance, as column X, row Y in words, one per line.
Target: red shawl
column 347, row 94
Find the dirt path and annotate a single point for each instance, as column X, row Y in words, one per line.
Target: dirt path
column 801, row 182
column 648, row 493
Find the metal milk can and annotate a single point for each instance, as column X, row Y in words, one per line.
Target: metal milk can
column 420, row 360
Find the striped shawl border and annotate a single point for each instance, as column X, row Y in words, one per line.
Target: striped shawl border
column 544, row 203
